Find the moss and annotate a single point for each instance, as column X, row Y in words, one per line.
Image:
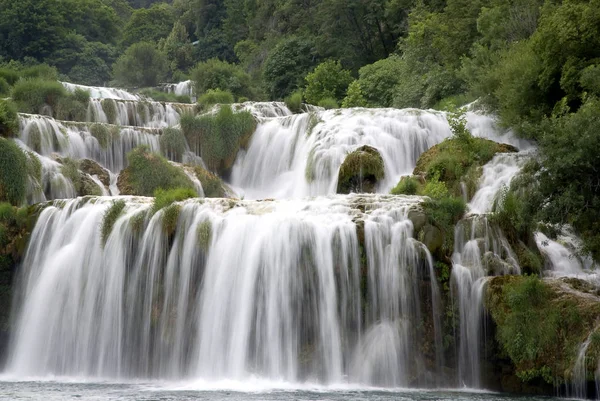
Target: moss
column 164, row 198
column 361, row 171
column 172, row 143
column 110, row 218
column 34, row 166
column 109, row 106
column 102, row 134
column 169, row 219
column 455, row 160
column 138, row 221
column 541, row 324
column 9, row 122
column 407, row 186
column 148, row 172
column 313, row 121
column 83, row 184
column 204, row 232
column 212, row 185
column 13, row 172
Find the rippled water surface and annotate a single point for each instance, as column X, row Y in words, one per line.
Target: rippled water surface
column 65, row 390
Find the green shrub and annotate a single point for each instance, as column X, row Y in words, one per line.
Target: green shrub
column 70, row 109
column 109, row 106
column 328, row 103
column 221, row 75
column 10, row 75
column 4, row 87
column 82, row 96
column 215, row 96
column 354, row 96
column 102, row 134
column 172, row 143
column 9, row 121
column 169, row 219
column 141, row 65
column 211, row 183
column 327, row 81
column 218, row 136
column 164, row 198
column 294, row 102
column 111, row 216
column 43, row 71
column 407, row 186
column 444, row 212
column 31, row 95
column 13, row 173
column 148, row 172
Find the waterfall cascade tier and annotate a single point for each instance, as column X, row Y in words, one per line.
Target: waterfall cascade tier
column 300, row 155
column 241, row 288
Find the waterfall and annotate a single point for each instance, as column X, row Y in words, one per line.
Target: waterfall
column 239, row 289
column 480, row 251
column 102, row 92
column 300, row 155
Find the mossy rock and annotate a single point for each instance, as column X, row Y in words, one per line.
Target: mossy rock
column 124, row 183
column 457, row 160
column 93, row 168
column 361, row 171
column 212, row 185
column 540, row 325
column 433, row 238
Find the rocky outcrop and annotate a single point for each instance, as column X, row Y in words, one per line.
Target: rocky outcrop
column 361, row 171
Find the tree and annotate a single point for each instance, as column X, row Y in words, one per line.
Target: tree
column 141, row 65
column 287, row 65
column 378, row 80
column 149, row 25
column 178, row 48
column 217, row 74
column 328, row 80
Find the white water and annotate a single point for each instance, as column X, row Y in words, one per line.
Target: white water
column 300, row 155
column 149, row 114
column 102, row 92
column 181, row 88
column 264, row 288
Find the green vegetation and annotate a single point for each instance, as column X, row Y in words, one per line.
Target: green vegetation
column 141, row 65
column 294, row 102
column 354, row 96
column 165, row 198
column 13, row 173
column 215, row 96
column 328, row 103
column 9, row 122
column 204, row 231
column 148, row 172
column 82, row 183
column 216, row 74
column 212, row 185
column 540, row 325
column 361, row 171
column 218, row 137
column 172, row 143
column 327, row 81
column 101, row 133
column 111, row 215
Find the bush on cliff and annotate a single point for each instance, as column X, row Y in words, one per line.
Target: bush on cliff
column 9, row 122
column 13, row 173
column 148, row 172
column 361, row 170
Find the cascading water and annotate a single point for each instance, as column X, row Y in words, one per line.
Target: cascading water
column 239, row 289
column 300, row 155
column 480, row 251
column 97, row 92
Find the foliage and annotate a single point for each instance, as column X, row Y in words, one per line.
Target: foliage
column 148, row 172
column 148, row 25
column 110, row 217
column 102, row 134
column 31, row 95
column 218, row 137
column 539, row 327
column 360, row 171
column 221, row 75
column 328, row 103
column 211, row 183
column 215, row 96
column 287, row 65
column 294, row 102
column 354, row 96
column 141, row 65
column 9, row 122
column 13, row 173
column 172, row 143
column 164, row 198
column 178, row 49
column 328, row 80
column 407, row 186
